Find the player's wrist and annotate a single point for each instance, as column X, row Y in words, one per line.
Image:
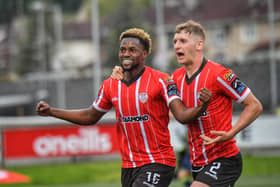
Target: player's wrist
column 51, row 112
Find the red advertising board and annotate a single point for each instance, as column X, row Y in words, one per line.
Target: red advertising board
column 59, row 141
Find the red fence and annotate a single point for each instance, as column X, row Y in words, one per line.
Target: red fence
column 59, row 141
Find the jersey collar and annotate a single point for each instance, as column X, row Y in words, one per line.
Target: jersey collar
column 128, row 83
column 189, row 80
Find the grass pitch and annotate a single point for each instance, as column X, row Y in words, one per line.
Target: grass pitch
column 258, row 171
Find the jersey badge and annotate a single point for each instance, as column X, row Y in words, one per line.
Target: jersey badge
column 169, row 80
column 238, row 86
column 230, row 77
column 172, row 90
column 143, row 97
column 228, row 74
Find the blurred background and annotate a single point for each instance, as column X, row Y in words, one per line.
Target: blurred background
column 60, row 51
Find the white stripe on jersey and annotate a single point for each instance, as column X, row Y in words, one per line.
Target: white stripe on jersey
column 189, row 132
column 98, row 100
column 141, row 122
column 239, row 98
column 199, row 118
column 124, row 127
column 182, row 87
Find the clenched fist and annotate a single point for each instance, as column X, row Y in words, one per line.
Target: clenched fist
column 205, row 96
column 43, row 109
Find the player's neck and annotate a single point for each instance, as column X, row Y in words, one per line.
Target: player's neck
column 131, row 75
column 192, row 68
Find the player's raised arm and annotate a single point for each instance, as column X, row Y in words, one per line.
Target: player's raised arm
column 87, row 116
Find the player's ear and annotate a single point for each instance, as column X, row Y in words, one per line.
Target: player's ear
column 200, row 44
column 145, row 53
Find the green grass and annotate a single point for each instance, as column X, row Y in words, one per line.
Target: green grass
column 258, row 171
column 78, row 173
column 261, row 165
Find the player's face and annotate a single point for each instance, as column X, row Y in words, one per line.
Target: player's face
column 132, row 54
column 185, row 47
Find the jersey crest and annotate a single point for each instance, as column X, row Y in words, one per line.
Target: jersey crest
column 143, row 97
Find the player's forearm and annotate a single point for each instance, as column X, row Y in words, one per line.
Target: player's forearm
column 79, row 117
column 187, row 115
column 183, row 114
column 191, row 114
column 249, row 114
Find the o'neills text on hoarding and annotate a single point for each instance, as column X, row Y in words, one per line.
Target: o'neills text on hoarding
column 60, row 141
column 88, row 140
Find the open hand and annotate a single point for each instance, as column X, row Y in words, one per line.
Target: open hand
column 221, row 136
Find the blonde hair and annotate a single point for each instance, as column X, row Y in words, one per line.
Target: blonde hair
column 144, row 37
column 191, row 27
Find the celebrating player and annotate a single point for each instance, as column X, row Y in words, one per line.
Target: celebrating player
column 216, row 159
column 141, row 102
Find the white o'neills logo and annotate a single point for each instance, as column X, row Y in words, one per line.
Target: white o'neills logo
column 87, row 141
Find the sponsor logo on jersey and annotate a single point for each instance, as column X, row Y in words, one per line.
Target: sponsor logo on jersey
column 238, row 86
column 114, row 99
column 143, row 97
column 131, row 119
column 169, row 80
column 227, row 74
column 204, row 114
column 230, row 77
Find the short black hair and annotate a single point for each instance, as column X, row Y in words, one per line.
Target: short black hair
column 143, row 37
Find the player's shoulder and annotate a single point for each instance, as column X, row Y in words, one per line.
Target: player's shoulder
column 109, row 81
column 179, row 71
column 155, row 72
column 221, row 72
column 158, row 75
column 216, row 67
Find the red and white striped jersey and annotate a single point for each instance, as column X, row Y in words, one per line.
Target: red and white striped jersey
column 142, row 116
column 225, row 87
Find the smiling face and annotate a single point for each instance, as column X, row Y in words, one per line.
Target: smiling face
column 186, row 47
column 132, row 54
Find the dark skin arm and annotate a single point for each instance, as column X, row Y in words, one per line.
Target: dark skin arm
column 87, row 116
column 186, row 115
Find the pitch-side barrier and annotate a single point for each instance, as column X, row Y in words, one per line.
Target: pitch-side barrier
column 38, row 140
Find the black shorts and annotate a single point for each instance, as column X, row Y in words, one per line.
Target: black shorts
column 219, row 173
column 150, row 175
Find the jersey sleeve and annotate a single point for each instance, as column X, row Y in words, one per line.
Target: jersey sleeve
column 232, row 86
column 103, row 102
column 169, row 89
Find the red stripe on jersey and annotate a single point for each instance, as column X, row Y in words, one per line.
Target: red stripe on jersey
column 142, row 117
column 225, row 87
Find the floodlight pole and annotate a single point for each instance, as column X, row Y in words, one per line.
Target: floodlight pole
column 96, row 68
column 272, row 61
column 161, row 57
